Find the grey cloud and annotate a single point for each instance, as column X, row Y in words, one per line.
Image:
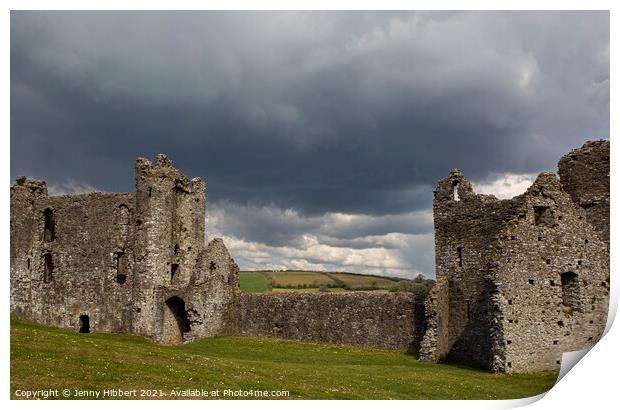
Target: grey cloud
column 277, row 227
column 321, row 112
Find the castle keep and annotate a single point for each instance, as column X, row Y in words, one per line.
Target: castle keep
column 519, row 281
column 120, row 262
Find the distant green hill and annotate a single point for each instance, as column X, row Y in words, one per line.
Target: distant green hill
column 44, row 358
column 311, row 281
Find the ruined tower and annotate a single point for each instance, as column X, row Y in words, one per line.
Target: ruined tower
column 170, row 229
column 120, row 262
column 584, row 174
column 519, row 281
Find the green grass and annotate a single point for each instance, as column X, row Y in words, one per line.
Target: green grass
column 363, row 281
column 49, row 358
column 307, row 281
column 305, row 290
column 294, row 278
column 253, row 282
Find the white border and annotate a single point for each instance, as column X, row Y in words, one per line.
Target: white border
column 590, row 384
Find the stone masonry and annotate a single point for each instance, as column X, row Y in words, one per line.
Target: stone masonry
column 120, row 262
column 520, row 281
column 389, row 321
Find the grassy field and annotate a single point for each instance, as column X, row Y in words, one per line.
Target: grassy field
column 362, row 281
column 293, row 278
column 48, row 358
column 306, row 290
column 307, row 281
column 253, row 282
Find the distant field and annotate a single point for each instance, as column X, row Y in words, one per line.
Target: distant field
column 45, row 358
column 306, row 290
column 253, row 282
column 294, row 279
column 306, row 281
column 362, row 281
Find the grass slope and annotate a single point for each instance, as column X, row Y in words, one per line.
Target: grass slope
column 49, row 358
column 309, row 281
column 253, row 282
column 294, row 278
column 362, row 281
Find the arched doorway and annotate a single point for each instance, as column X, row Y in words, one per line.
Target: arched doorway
column 176, row 322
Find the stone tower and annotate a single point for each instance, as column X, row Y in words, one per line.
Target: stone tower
column 120, row 262
column 522, row 280
column 170, row 232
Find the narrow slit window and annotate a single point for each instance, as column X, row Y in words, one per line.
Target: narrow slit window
column 123, row 215
column 468, row 307
column 455, row 191
column 48, row 267
column 459, row 256
column 174, row 270
column 121, row 267
column 49, row 229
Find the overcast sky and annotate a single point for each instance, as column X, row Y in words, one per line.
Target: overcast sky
column 320, row 135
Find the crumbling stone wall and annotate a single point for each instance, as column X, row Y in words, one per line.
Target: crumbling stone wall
column 521, row 281
column 584, row 174
column 81, row 252
column 437, row 342
column 121, row 262
column 551, row 273
column 387, row 321
column 170, row 214
column 465, row 226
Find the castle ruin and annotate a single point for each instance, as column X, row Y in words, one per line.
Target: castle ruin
column 120, row 262
column 522, row 280
column 519, row 281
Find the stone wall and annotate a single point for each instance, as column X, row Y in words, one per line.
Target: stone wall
column 551, row 271
column 170, row 228
column 437, row 341
column 584, row 174
column 466, row 226
column 522, row 280
column 65, row 254
column 387, row 321
column 121, row 262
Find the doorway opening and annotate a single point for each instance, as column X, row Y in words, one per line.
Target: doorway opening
column 84, row 324
column 176, row 321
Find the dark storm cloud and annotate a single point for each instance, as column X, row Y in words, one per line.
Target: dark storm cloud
column 276, row 227
column 327, row 115
column 321, row 112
